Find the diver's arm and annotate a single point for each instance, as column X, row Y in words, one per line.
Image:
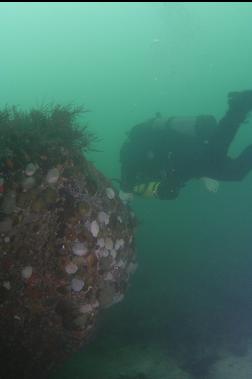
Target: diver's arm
column 166, row 191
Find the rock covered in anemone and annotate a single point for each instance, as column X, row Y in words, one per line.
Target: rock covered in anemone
column 66, row 241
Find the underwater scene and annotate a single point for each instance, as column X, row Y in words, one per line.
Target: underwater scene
column 126, row 190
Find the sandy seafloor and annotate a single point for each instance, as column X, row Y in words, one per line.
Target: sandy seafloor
column 152, row 362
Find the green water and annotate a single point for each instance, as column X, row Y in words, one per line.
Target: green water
column 125, row 62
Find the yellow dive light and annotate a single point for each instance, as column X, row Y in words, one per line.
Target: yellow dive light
column 147, row 189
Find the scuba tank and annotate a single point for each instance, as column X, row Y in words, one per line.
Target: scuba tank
column 183, row 125
column 200, row 126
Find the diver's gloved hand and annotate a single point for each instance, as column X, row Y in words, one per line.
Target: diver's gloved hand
column 240, row 102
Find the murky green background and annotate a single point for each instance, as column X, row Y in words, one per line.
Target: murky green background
column 124, row 62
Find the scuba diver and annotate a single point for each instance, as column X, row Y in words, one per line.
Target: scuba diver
column 161, row 155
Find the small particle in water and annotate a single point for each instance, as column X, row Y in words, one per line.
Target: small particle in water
column 71, row 268
column 150, row 155
column 110, row 193
column 155, row 41
column 77, row 285
column 94, row 228
column 52, row 176
column 26, row 272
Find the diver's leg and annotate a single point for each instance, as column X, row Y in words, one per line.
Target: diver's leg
column 240, row 104
column 234, row 169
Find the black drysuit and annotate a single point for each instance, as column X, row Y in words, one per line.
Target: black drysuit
column 158, row 152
